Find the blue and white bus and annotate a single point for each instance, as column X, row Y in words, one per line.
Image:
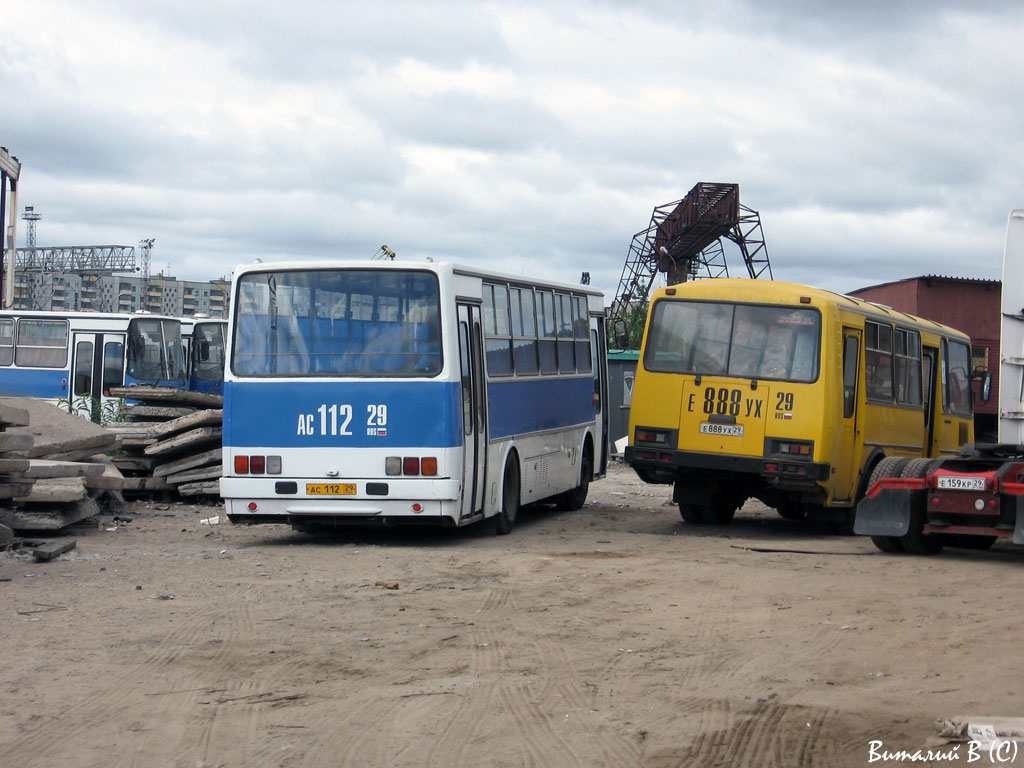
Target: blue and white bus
column 204, row 339
column 388, row 392
column 74, row 358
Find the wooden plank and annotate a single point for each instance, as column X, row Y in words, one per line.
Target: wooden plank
column 11, row 416
column 189, row 462
column 196, row 489
column 53, row 548
column 15, row 490
column 13, row 465
column 109, row 479
column 168, row 395
column 145, row 484
column 210, row 417
column 55, row 431
column 190, row 439
column 55, row 490
column 49, row 517
column 44, row 468
column 86, row 452
column 189, row 476
column 16, row 441
column 156, row 412
column 128, row 463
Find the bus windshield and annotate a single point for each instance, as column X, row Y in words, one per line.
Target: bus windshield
column 154, row 350
column 743, row 340
column 208, row 352
column 350, row 322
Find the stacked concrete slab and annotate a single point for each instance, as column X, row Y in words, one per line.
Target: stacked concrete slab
column 171, row 440
column 53, row 467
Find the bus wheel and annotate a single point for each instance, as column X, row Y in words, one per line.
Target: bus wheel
column 790, row 510
column 691, row 513
column 506, row 519
column 722, row 509
column 916, row 541
column 572, row 500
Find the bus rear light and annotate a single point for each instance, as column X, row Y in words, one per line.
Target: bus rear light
column 652, row 436
column 393, row 465
column 428, row 465
column 257, row 465
column 252, row 506
column 771, row 467
column 795, row 448
column 411, row 465
column 417, row 508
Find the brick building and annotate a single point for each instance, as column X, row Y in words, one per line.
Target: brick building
column 969, row 305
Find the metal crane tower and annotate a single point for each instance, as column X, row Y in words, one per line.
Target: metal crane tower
column 684, row 240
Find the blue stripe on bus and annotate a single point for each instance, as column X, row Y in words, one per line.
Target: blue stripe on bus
column 287, row 414
column 34, row 382
column 532, row 405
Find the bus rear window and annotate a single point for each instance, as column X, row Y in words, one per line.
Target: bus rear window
column 742, row 340
column 347, row 322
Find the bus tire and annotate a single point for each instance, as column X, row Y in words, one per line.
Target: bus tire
column 916, row 541
column 505, row 520
column 574, row 499
column 691, row 513
column 722, row 509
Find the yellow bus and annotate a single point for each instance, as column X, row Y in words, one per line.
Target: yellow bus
column 789, row 394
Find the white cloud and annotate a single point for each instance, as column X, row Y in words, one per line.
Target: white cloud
column 878, row 141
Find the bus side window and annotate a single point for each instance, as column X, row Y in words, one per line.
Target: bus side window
column 6, row 342
column 83, row 368
column 467, row 381
column 851, row 350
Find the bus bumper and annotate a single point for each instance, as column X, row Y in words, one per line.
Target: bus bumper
column 658, row 461
column 887, row 513
column 416, row 502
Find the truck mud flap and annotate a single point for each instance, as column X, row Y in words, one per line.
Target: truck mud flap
column 1018, row 527
column 887, row 513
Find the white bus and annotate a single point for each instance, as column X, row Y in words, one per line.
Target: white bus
column 74, row 358
column 387, row 393
column 203, row 339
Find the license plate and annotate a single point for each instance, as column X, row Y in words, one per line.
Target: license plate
column 960, row 483
column 331, row 489
column 732, row 430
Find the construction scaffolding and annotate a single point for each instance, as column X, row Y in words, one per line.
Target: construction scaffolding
column 684, row 241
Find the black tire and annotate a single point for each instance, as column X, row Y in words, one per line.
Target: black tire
column 722, row 510
column 791, row 510
column 890, row 544
column 916, row 541
column 570, row 501
column 505, row 520
column 691, row 513
column 891, row 466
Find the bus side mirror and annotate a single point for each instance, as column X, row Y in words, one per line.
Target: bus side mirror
column 621, row 334
column 985, row 388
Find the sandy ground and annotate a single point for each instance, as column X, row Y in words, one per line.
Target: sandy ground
column 612, row 636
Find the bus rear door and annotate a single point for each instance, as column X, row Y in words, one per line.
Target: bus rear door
column 474, row 410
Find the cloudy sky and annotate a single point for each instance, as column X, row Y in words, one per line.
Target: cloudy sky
column 878, row 140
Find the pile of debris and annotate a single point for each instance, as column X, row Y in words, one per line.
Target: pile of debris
column 170, row 440
column 53, row 471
